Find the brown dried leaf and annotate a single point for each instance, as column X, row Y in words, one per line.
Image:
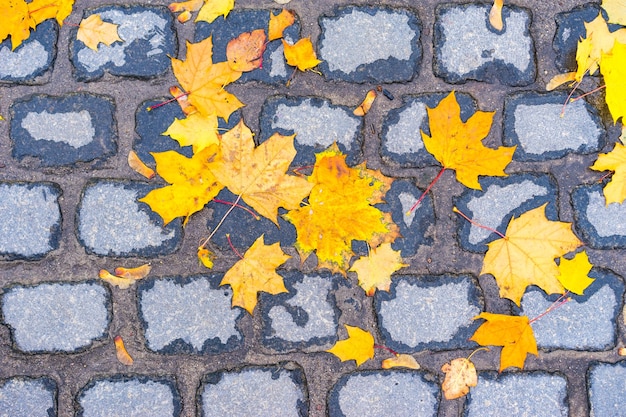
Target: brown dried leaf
column 460, row 376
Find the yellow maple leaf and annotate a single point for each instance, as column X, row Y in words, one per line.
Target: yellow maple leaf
column 196, row 130
column 458, row 146
column 359, row 346
column 212, row 9
column 573, row 273
column 598, row 41
column 613, row 69
column 41, row 10
column 301, row 54
column 245, row 52
column 16, row 21
column 278, row 24
column 192, row 184
column 615, row 160
column 204, row 81
column 526, row 255
column 513, row 333
column 259, row 174
column 256, row 272
column 616, row 10
column 340, row 210
column 92, row 31
column 374, row 271
column 460, row 376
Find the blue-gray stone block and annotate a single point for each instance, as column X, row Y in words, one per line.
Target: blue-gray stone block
column 111, row 222
column 400, row 393
column 149, row 41
column 267, row 391
column 401, row 140
column 587, row 322
column 32, row 59
column 306, row 317
column 501, row 199
column 467, row 47
column 243, row 227
column 428, row 312
column 533, row 122
column 188, row 315
column 129, row 395
column 64, row 130
column 605, row 384
column 317, row 124
column 28, row 397
column 599, row 225
column 56, row 317
column 370, row 44
column 30, row 219
column 537, row 394
column 274, row 69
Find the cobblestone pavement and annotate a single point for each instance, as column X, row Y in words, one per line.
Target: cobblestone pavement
column 68, row 207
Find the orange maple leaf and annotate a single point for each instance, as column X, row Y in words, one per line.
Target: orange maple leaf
column 359, row 346
column 615, row 160
column 340, row 210
column 374, row 271
column 458, row 146
column 526, row 255
column 278, row 24
column 92, row 30
column 254, row 273
column 204, row 81
column 301, row 54
column 245, row 52
column 513, row 333
column 460, row 376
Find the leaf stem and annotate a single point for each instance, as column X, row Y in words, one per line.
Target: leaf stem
column 482, row 226
column 233, row 247
column 419, row 200
column 393, row 352
column 477, row 350
column 221, row 221
column 228, row 203
column 558, row 303
column 595, row 90
column 150, row 108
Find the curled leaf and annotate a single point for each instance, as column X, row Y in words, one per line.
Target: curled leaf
column 495, row 15
column 560, row 79
column 460, row 376
column 364, row 107
column 121, row 352
column 121, row 283
column 205, row 257
column 138, row 166
column 133, row 273
column 401, row 360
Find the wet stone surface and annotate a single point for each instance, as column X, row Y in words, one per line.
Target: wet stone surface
column 606, row 388
column 30, row 219
column 56, row 317
column 28, row 397
column 370, row 44
column 32, row 59
column 188, row 315
column 64, row 130
column 149, row 40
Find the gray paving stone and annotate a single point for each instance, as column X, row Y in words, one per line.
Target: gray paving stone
column 401, row 140
column 111, row 222
column 56, row 317
column 533, row 122
column 32, row 59
column 149, row 40
column 537, row 394
column 600, row 226
column 605, row 383
column 28, row 397
column 188, row 315
column 268, row 391
column 428, row 312
column 501, row 199
column 274, row 68
column 30, row 219
column 306, row 317
column 467, row 47
column 129, row 395
column 379, row 393
column 317, row 124
column 370, row 44
column 64, row 130
column 588, row 322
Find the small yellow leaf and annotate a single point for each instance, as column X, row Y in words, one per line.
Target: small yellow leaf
column 359, row 346
column 495, row 15
column 573, row 274
column 374, row 271
column 364, row 107
column 401, row 360
column 560, row 79
column 121, row 352
column 121, row 283
column 460, row 376
column 615, row 160
column 133, row 273
column 206, row 257
column 138, row 166
column 301, row 54
column 212, row 9
column 92, row 31
column 278, row 23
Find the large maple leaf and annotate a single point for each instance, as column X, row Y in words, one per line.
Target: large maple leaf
column 340, row 210
column 374, row 271
column 513, row 333
column 526, row 255
column 256, row 272
column 204, row 81
column 359, row 346
column 458, row 145
column 615, row 160
column 192, row 184
column 613, row 69
column 259, row 174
